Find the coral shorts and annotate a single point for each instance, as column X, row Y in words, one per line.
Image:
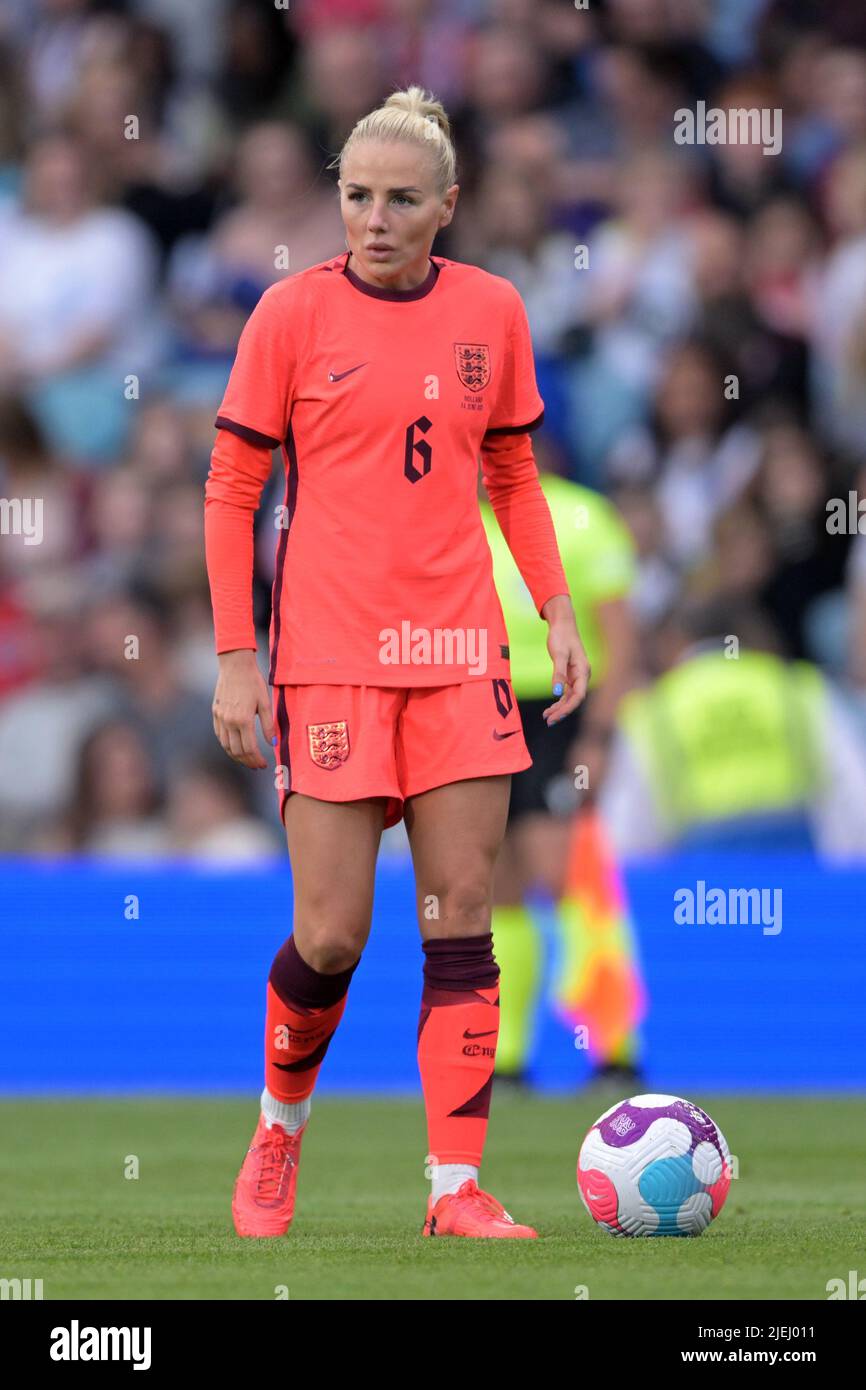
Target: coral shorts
column 347, row 742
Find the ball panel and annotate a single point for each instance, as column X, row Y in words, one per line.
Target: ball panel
column 719, row 1191
column 707, row 1163
column 667, row 1184
column 599, row 1195
column 695, row 1214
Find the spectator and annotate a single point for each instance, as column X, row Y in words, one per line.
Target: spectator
column 210, row 818
column 113, row 810
column 76, row 301
column 697, row 461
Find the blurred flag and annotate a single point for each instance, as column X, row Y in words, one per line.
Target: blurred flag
column 599, row 984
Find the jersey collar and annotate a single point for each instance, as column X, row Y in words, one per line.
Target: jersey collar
column 396, row 296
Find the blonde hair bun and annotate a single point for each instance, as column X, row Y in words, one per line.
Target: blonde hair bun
column 421, row 103
column 410, row 114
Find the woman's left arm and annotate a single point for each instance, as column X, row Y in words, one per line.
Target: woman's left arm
column 511, row 479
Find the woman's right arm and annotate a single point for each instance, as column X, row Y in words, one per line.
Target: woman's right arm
column 238, row 473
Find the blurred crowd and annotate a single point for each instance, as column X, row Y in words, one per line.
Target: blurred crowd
column 698, row 316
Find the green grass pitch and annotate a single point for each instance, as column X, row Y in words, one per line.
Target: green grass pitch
column 71, row 1218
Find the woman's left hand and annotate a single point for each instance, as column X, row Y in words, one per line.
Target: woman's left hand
column 571, row 669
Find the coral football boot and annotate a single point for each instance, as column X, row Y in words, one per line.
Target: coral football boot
column 471, row 1212
column 263, row 1202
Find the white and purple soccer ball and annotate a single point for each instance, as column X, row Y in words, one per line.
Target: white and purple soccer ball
column 654, row 1166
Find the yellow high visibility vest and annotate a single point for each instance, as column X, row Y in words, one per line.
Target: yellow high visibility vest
column 721, row 738
column 598, row 557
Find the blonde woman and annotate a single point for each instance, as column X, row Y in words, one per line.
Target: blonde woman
column 384, row 374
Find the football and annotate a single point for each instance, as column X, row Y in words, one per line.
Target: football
column 654, row 1165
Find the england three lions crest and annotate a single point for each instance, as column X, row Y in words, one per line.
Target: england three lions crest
column 473, row 364
column 329, row 743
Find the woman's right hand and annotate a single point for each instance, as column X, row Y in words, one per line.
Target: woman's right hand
column 241, row 694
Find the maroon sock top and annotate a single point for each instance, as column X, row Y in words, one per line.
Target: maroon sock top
column 460, row 962
column 296, row 982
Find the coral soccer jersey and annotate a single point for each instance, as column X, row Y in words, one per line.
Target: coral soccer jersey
column 380, row 401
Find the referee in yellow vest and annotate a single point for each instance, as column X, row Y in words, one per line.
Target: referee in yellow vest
column 599, row 562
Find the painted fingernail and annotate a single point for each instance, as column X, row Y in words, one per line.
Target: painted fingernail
column 274, row 740
column 557, row 689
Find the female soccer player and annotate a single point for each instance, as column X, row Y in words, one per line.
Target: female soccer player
column 383, row 374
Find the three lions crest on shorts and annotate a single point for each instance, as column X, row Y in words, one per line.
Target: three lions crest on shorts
column 329, row 743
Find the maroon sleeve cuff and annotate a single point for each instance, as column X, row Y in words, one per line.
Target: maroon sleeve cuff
column 517, row 429
column 222, row 422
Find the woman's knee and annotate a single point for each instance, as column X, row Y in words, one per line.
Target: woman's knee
column 465, row 906
column 330, row 943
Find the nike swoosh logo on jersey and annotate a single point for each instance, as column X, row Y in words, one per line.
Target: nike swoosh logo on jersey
column 338, row 376
column 489, row 1033
column 497, row 735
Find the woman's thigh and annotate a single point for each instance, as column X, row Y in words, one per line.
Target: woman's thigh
column 455, row 833
column 333, row 847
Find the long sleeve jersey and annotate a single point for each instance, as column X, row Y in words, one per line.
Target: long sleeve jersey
column 382, row 403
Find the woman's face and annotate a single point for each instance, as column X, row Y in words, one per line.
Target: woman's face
column 272, row 166
column 392, row 211
column 689, row 395
column 122, row 785
column 56, row 180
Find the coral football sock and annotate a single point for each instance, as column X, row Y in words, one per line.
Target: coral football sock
column 304, row 1008
column 457, row 1033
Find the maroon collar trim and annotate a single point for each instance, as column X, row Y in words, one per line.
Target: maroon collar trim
column 396, row 296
